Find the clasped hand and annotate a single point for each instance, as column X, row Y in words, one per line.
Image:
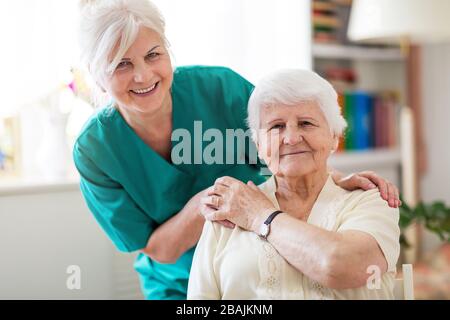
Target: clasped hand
column 244, row 205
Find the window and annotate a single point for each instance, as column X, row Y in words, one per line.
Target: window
column 39, row 46
column 250, row 36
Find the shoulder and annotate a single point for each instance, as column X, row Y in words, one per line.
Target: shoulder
column 367, row 212
column 367, row 203
column 200, row 70
column 357, row 202
column 98, row 122
column 361, row 197
column 208, row 74
column 95, row 131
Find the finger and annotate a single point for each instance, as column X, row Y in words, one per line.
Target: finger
column 210, row 190
column 213, row 201
column 389, row 196
column 393, row 195
column 206, row 211
column 378, row 181
column 381, row 185
column 252, row 185
column 364, row 183
column 226, row 181
column 226, row 224
column 217, row 189
column 397, row 196
column 216, row 215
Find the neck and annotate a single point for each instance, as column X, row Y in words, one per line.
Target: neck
column 305, row 188
column 150, row 124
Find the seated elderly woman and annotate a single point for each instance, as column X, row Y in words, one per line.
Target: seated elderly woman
column 299, row 235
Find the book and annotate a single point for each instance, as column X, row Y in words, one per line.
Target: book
column 341, row 102
column 362, row 117
column 324, row 6
column 321, row 20
column 358, row 112
column 348, row 115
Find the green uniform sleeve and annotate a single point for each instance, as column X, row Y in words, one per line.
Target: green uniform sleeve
column 123, row 221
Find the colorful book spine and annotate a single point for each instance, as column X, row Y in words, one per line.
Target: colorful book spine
column 341, row 102
column 371, row 118
column 349, row 140
column 362, row 108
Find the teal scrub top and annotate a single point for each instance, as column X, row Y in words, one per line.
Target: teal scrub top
column 131, row 190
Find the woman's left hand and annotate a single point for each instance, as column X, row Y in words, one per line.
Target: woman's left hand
column 367, row 180
column 242, row 204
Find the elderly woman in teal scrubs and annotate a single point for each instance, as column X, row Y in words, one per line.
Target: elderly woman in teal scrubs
column 143, row 197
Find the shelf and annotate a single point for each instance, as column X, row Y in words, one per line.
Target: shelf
column 368, row 159
column 333, row 51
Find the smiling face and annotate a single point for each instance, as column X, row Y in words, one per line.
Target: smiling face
column 296, row 140
column 141, row 82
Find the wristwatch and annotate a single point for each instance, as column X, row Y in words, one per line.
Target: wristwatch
column 264, row 230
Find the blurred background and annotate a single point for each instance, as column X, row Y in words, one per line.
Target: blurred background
column 389, row 61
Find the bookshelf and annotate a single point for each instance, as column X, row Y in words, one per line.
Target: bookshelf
column 385, row 162
column 357, row 71
column 368, row 158
column 346, row 52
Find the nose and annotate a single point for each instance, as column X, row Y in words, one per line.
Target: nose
column 292, row 136
column 142, row 73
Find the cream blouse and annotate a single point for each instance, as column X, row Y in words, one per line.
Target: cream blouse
column 237, row 264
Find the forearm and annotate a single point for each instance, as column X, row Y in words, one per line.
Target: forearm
column 307, row 248
column 176, row 236
column 335, row 260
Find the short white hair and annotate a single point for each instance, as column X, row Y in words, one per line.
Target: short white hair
column 105, row 24
column 292, row 87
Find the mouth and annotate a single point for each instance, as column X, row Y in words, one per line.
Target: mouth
column 146, row 91
column 293, row 153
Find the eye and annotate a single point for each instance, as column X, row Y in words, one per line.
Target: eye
column 306, row 124
column 153, row 55
column 123, row 65
column 277, row 126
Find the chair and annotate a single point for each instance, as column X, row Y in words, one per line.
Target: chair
column 404, row 287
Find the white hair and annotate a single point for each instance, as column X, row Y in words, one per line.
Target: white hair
column 292, row 87
column 105, row 24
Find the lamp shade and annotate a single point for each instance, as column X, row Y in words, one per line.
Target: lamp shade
column 388, row 21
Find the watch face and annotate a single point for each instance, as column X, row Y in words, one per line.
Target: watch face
column 264, row 230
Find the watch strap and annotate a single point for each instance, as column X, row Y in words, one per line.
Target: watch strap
column 272, row 216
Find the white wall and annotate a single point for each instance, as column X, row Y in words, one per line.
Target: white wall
column 39, row 48
column 435, row 185
column 436, row 122
column 253, row 37
column 42, row 233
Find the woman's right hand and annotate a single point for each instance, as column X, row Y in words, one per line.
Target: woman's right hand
column 197, row 200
